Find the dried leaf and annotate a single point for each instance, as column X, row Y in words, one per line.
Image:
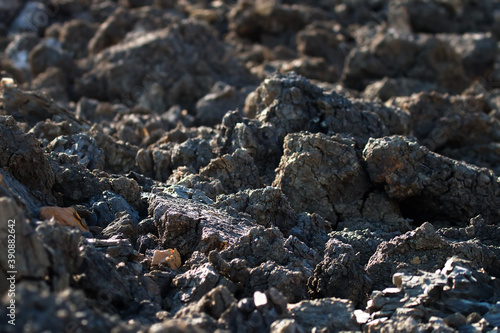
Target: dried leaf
column 170, row 257
column 65, row 216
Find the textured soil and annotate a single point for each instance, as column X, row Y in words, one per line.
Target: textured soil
column 250, row 166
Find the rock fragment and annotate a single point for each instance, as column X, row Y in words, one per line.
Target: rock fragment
column 255, row 313
column 417, row 58
column 428, row 185
column 211, row 108
column 455, row 126
column 195, row 283
column 106, row 206
column 212, row 305
column 235, row 172
column 49, row 53
column 420, row 249
column 268, row 207
column 124, row 225
column 323, row 175
column 445, row 297
column 263, row 259
column 259, row 139
column 18, row 153
column 291, row 104
column 81, row 145
column 171, row 257
column 339, row 274
column 180, row 78
column 62, row 247
column 13, row 189
column 332, row 314
column 446, row 16
column 190, row 226
column 67, row 170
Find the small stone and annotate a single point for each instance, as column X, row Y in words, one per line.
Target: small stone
column 416, row 261
column 455, row 320
column 170, row 257
column 397, row 280
column 473, row 318
column 286, row 326
column 362, row 317
column 260, row 299
column 246, row 305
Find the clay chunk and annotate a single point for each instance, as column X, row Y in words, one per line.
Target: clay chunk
column 170, row 257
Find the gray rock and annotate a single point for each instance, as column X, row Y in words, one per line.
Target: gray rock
column 365, row 236
column 182, row 78
column 112, row 31
column 119, row 157
column 81, row 145
column 24, row 12
column 213, row 106
column 429, row 185
column 286, row 326
column 49, row 53
column 292, row 104
column 420, row 249
column 147, row 242
column 446, row 16
column 318, row 39
column 17, row 53
column 236, row 172
column 493, row 316
column 260, row 19
column 260, row 140
column 312, row 229
column 456, row 126
column 124, row 225
column 267, row 206
column 127, row 188
column 75, row 36
column 197, row 189
column 330, row 314
column 10, row 9
column 447, row 297
column 323, row 175
column 190, row 226
column 107, row 205
column 32, row 107
column 62, row 248
column 263, row 259
column 67, row 170
column 476, row 49
column 18, row 153
column 11, row 188
column 53, row 83
column 195, row 283
column 255, row 313
column 339, row 274
column 195, row 153
column 57, row 312
column 387, row 88
column 98, row 277
column 416, row 59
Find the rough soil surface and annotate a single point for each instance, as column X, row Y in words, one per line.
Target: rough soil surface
column 250, row 166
